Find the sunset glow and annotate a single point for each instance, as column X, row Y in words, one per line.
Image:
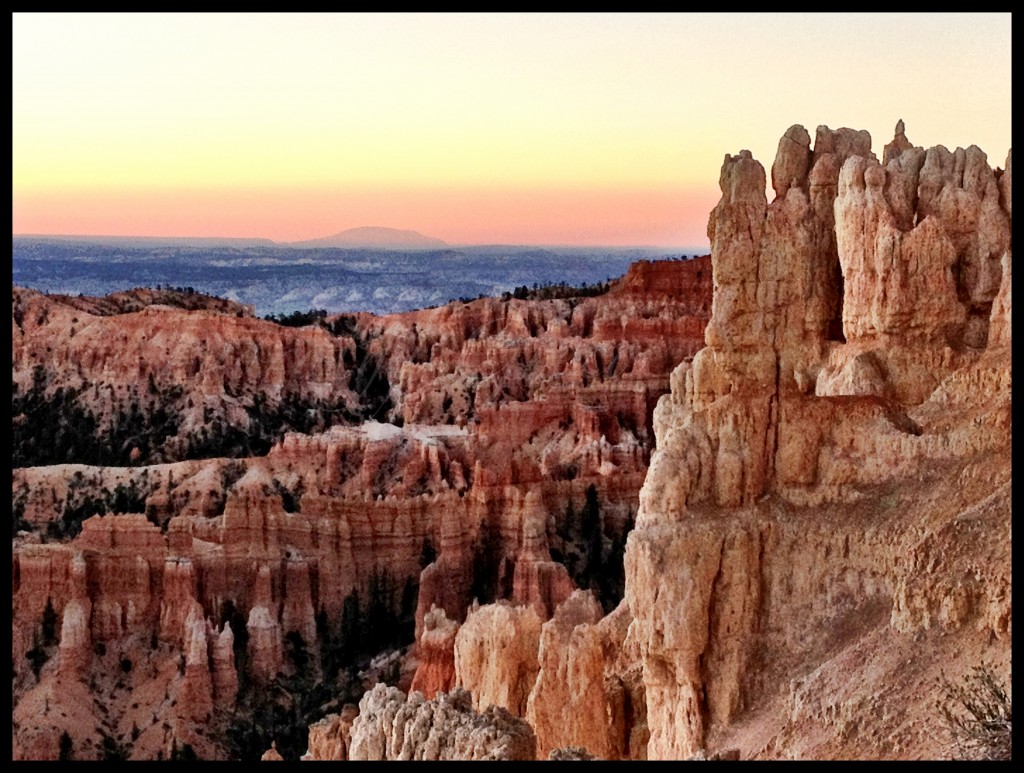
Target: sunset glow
column 528, row 129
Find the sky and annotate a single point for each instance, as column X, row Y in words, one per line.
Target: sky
column 588, row 129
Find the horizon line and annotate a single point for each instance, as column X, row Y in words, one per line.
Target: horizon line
column 397, row 248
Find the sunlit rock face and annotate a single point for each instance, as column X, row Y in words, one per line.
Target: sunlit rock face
column 496, row 653
column 391, row 726
column 856, row 365
column 569, row 704
column 179, row 371
column 330, row 738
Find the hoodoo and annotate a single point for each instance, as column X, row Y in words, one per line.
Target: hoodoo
column 802, row 474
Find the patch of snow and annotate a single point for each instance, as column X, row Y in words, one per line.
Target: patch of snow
column 374, row 430
column 423, row 433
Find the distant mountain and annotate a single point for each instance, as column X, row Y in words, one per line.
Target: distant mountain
column 148, row 242
column 371, row 237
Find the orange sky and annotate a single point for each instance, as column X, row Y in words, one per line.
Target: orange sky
column 603, row 129
column 668, row 216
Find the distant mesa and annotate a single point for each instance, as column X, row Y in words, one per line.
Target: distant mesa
column 376, row 238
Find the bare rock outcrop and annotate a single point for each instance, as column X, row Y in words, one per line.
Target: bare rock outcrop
column 435, row 649
column 266, row 645
column 1000, row 331
column 187, row 366
column 446, row 583
column 899, row 144
column 785, row 415
column 496, row 653
column 75, row 636
column 272, row 754
column 393, row 727
column 923, row 241
column 513, row 411
column 223, row 669
column 297, row 613
column 538, row 581
column 196, row 692
column 455, row 360
column 568, row 704
column 329, row 739
column 179, row 598
column 793, row 160
column 999, row 327
column 574, row 679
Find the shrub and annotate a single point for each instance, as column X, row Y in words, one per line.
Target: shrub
column 978, row 715
column 37, row 657
column 297, row 318
column 112, row 750
column 185, row 753
column 67, row 747
column 49, row 624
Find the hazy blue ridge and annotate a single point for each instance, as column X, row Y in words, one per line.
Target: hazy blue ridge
column 279, row 280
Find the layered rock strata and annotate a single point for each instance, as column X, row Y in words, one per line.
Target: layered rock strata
column 266, row 548
column 157, row 382
column 824, row 528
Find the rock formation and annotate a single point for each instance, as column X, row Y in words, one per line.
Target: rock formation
column 435, row 672
column 538, row 581
column 188, row 375
column 266, row 646
column 568, row 704
column 393, row 727
column 496, row 656
column 75, row 638
column 780, row 420
column 329, row 739
column 196, row 691
column 574, row 679
column 446, row 583
column 223, row 668
column 530, row 404
column 179, row 599
column 822, row 494
column 272, row 754
column 160, row 383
